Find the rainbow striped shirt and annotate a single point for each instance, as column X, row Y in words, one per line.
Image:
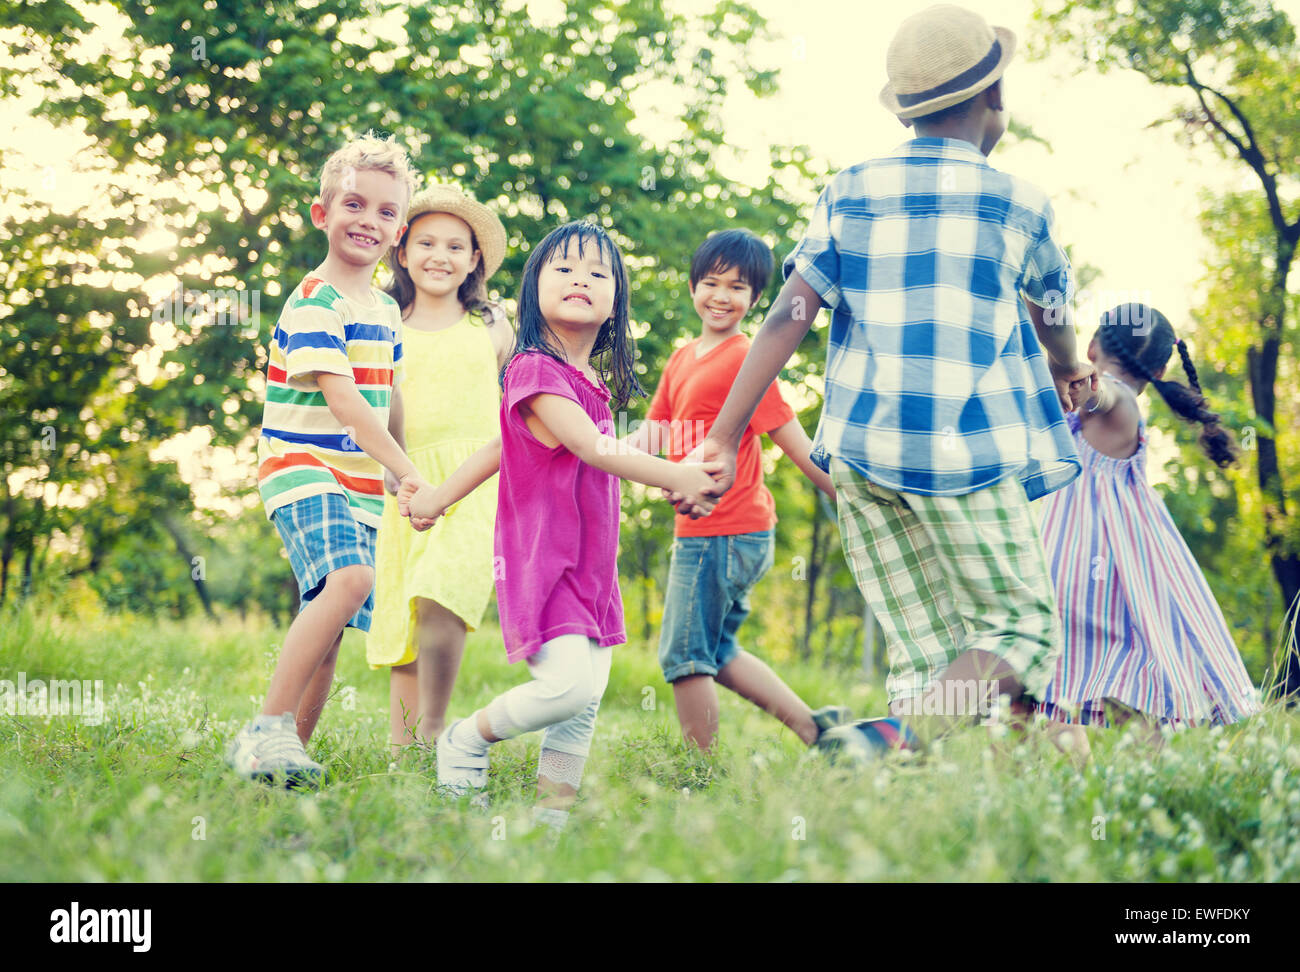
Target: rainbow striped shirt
column 303, row 450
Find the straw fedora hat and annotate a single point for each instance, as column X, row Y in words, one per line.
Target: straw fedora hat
column 489, row 232
column 942, row 56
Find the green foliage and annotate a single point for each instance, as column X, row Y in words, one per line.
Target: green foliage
column 213, row 122
column 1235, row 61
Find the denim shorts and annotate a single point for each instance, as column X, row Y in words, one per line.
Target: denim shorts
column 709, row 581
column 321, row 535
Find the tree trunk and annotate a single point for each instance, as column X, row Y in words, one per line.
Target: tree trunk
column 814, row 572
column 28, row 555
column 1262, row 360
column 646, row 583
column 200, row 584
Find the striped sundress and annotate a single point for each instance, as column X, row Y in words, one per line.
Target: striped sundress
column 1138, row 619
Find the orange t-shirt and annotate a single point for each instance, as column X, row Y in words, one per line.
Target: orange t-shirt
column 689, row 397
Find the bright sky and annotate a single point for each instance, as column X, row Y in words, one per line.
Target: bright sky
column 1126, row 195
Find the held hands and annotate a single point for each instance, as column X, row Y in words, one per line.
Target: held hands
column 696, row 484
column 720, row 463
column 1075, row 385
column 416, row 501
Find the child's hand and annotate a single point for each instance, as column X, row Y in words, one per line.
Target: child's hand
column 422, row 523
column 1075, row 383
column 698, row 486
column 423, row 504
column 391, row 483
column 407, row 487
column 1081, row 394
column 721, row 463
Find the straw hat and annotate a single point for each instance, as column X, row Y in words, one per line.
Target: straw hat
column 489, row 232
column 942, row 56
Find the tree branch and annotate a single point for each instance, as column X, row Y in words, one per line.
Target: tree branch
column 1249, row 151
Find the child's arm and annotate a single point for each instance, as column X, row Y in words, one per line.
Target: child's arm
column 1110, row 419
column 1057, row 339
column 397, row 429
column 787, row 322
column 354, row 413
column 794, row 442
column 557, row 420
column 425, row 503
column 652, row 437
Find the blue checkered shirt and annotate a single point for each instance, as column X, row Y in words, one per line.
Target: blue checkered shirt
column 935, row 380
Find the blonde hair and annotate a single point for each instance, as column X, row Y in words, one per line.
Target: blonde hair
column 368, row 151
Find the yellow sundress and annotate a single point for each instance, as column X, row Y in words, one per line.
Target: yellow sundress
column 451, row 401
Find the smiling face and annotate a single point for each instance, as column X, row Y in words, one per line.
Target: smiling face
column 576, row 290
column 439, row 253
column 364, row 217
column 722, row 299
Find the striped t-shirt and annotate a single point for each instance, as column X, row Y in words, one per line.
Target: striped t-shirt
column 303, row 450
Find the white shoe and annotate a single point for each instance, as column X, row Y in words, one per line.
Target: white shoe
column 459, row 769
column 271, row 752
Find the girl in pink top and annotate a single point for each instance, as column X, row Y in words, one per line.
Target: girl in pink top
column 557, row 512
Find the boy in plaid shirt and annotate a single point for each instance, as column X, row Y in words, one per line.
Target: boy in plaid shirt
column 943, row 418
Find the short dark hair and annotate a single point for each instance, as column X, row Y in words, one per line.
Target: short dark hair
column 960, row 110
column 737, row 248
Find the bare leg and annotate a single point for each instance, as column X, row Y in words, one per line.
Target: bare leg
column 1123, row 716
column 318, row 691
column 752, row 679
column 441, row 638
column 929, row 715
column 314, row 635
column 697, row 709
column 553, row 795
column 403, row 705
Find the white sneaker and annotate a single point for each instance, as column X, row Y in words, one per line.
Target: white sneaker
column 270, row 751
column 459, row 769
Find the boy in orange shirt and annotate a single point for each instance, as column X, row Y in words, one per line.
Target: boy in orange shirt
column 718, row 559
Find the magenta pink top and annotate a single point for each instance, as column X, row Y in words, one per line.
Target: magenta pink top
column 557, row 520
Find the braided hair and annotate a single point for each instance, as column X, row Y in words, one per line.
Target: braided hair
column 1140, row 338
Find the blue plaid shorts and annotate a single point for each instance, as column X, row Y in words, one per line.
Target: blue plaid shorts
column 321, row 535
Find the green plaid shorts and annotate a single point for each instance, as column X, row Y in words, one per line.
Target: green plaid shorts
column 947, row 574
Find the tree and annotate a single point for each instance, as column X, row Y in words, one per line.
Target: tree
column 214, row 121
column 1236, row 61
column 67, row 342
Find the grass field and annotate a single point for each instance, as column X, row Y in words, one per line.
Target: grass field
column 145, row 795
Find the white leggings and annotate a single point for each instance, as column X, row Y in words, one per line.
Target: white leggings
column 570, row 674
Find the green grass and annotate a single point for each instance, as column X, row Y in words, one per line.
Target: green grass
column 125, row 800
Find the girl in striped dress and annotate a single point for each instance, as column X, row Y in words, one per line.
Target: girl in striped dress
column 1143, row 634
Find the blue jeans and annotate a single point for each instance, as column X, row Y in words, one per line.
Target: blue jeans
column 709, row 581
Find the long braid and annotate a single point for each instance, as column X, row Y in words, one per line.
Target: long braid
column 1189, row 369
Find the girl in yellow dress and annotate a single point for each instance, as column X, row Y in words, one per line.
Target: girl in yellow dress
column 432, row 588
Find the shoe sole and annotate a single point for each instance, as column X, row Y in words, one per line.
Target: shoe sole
column 830, row 716
column 304, row 779
column 852, row 743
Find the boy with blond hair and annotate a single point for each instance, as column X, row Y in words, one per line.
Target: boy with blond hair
column 943, row 417
column 332, row 380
